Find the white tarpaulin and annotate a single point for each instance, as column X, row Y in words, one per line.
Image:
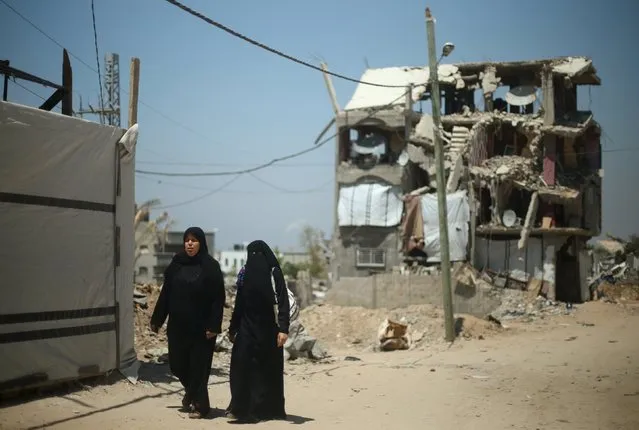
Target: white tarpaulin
column 374, row 205
column 66, row 260
column 458, row 216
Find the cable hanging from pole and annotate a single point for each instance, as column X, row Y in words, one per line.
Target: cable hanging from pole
column 272, row 50
column 97, row 60
column 274, row 160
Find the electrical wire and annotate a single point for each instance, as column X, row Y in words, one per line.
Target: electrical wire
column 97, row 60
column 27, row 90
column 157, row 111
column 90, row 67
column 272, row 50
column 288, row 190
column 183, row 163
column 280, row 190
column 203, row 196
column 24, row 18
column 273, row 161
column 31, row 92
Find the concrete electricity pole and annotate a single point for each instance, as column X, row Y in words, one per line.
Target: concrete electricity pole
column 435, row 97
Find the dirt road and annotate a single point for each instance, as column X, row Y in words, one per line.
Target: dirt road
column 578, row 372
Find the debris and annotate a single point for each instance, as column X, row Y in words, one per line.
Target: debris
column 393, row 336
column 570, row 339
column 302, row 345
column 140, row 299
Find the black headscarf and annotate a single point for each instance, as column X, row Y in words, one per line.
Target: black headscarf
column 259, row 267
column 183, row 258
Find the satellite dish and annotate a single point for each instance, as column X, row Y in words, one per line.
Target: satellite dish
column 509, row 218
column 521, row 96
column 402, row 160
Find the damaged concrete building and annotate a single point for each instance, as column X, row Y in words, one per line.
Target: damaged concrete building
column 523, row 169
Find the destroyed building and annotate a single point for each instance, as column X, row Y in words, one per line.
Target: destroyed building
column 523, row 173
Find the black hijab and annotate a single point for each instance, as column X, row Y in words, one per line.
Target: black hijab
column 259, row 266
column 182, row 258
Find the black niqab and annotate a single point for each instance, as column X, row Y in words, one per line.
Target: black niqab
column 257, row 363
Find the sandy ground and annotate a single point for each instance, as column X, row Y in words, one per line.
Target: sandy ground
column 574, row 372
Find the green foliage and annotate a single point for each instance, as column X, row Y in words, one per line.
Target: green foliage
column 310, row 239
column 291, row 270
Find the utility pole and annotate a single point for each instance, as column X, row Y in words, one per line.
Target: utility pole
column 435, row 97
column 111, row 110
column 134, row 86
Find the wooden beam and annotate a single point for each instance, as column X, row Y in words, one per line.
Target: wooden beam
column 67, row 84
column 5, row 92
column 7, row 70
column 134, row 87
column 331, row 89
column 53, row 101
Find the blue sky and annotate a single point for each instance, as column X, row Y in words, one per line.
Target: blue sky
column 248, row 106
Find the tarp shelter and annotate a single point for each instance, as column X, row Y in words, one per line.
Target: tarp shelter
column 66, row 254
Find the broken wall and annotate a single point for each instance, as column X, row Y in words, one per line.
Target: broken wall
column 395, row 290
column 352, row 238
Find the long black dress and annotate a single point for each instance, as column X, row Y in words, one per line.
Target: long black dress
column 193, row 298
column 257, row 363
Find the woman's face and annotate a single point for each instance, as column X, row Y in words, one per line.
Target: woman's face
column 191, row 245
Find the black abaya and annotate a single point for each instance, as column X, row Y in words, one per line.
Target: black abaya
column 257, row 363
column 193, row 298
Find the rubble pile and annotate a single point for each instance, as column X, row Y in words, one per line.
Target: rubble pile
column 524, row 307
column 154, row 347
column 512, row 167
column 151, row 346
column 393, row 336
column 615, row 275
column 344, row 328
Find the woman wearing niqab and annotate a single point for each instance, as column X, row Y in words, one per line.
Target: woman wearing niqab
column 193, row 299
column 258, row 335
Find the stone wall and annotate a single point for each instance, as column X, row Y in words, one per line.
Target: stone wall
column 394, row 290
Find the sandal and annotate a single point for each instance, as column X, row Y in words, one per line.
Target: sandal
column 195, row 415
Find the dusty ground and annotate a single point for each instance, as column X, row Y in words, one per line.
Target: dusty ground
column 572, row 372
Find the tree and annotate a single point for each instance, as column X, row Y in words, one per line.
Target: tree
column 312, row 240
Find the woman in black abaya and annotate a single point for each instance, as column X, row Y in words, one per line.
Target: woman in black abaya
column 193, row 298
column 258, row 335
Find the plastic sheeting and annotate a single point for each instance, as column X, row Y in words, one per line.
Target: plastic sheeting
column 373, row 205
column 458, row 212
column 66, row 261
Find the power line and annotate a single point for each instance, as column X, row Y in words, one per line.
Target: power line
column 203, row 196
column 272, row 50
column 273, row 161
column 182, row 163
column 287, row 190
column 31, row 91
column 88, row 66
column 24, row 18
column 241, row 171
column 28, row 90
column 97, row 60
column 279, row 190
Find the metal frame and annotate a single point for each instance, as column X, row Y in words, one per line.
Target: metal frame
column 63, row 93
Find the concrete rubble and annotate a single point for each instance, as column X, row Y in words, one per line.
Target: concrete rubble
column 152, row 347
column 615, row 274
column 302, row 345
column 393, row 336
